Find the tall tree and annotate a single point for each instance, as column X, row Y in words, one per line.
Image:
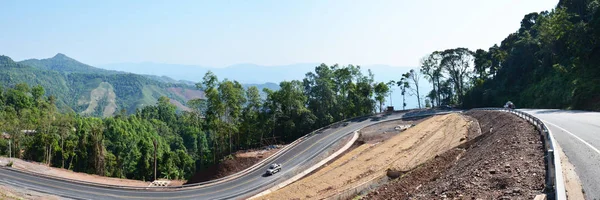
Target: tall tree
column 215, row 109
column 292, row 118
column 432, row 70
column 233, row 97
column 457, row 63
column 403, row 84
column 251, row 125
column 320, row 90
column 482, row 63
column 413, row 78
column 391, row 85
column 381, row 91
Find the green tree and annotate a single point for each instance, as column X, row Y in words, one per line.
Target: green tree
column 457, row 63
column 432, row 70
column 413, row 78
column 381, row 91
column 404, row 85
column 251, row 124
column 287, row 107
column 232, row 95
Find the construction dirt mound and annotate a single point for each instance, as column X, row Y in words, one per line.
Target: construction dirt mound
column 236, row 163
column 372, row 159
column 506, row 162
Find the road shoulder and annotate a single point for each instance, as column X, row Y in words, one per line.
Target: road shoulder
column 572, row 181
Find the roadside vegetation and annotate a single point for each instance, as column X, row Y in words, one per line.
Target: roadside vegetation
column 552, row 61
column 229, row 119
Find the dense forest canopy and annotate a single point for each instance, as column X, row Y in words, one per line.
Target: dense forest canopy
column 552, row 61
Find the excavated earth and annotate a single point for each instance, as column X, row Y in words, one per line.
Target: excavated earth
column 380, row 149
column 239, row 161
column 505, row 162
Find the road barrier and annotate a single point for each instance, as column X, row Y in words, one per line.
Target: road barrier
column 555, row 187
column 554, row 179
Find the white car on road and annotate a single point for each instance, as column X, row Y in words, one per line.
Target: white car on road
column 274, row 168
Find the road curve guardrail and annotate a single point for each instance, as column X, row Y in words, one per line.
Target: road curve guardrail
column 555, row 187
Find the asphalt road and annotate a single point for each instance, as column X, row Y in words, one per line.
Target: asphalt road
column 578, row 133
column 294, row 160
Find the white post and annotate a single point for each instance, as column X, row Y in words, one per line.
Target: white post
column 9, row 150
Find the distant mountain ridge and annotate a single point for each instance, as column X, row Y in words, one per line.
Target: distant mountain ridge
column 62, row 63
column 243, row 73
column 93, row 91
column 257, row 74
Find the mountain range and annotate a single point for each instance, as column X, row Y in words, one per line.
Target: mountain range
column 93, row 91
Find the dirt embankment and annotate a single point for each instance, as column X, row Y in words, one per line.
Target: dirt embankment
column 506, row 162
column 371, row 160
column 239, row 161
column 40, row 168
column 374, row 134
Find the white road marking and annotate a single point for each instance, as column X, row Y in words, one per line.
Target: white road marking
column 565, row 130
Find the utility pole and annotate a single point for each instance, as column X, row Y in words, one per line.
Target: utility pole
column 9, row 150
column 155, row 159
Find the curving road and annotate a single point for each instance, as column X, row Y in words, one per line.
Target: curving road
column 578, row 134
column 294, row 160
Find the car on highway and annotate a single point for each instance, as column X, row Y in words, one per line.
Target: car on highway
column 509, row 105
column 274, row 168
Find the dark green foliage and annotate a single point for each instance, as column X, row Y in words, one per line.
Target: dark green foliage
column 338, row 92
column 550, row 62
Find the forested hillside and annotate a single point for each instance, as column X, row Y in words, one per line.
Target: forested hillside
column 230, row 118
column 91, row 91
column 552, row 61
column 61, row 63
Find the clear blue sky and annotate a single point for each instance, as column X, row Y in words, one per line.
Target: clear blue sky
column 221, row 33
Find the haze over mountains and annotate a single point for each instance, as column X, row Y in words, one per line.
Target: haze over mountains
column 266, row 76
column 244, row 73
column 104, row 90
